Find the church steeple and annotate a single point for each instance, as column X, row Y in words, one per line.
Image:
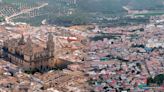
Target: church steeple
column 21, row 41
column 50, row 44
column 29, row 46
column 29, row 41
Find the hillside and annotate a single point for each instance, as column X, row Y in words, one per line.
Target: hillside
column 146, row 4
column 68, row 12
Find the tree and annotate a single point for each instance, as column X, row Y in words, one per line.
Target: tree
column 150, row 80
column 159, row 79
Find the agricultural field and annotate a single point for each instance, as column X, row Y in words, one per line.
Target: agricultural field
column 9, row 7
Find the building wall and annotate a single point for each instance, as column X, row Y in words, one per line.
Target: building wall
column 38, row 60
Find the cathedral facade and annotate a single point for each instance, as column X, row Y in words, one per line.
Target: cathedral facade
column 29, row 55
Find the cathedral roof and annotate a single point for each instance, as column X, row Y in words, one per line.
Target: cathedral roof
column 35, row 49
column 27, row 48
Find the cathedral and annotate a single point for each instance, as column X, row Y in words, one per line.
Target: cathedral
column 29, row 55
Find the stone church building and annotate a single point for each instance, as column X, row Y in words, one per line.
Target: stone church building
column 29, row 55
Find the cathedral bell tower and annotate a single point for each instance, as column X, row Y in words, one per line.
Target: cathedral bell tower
column 21, row 41
column 28, row 52
column 50, row 45
column 29, row 48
